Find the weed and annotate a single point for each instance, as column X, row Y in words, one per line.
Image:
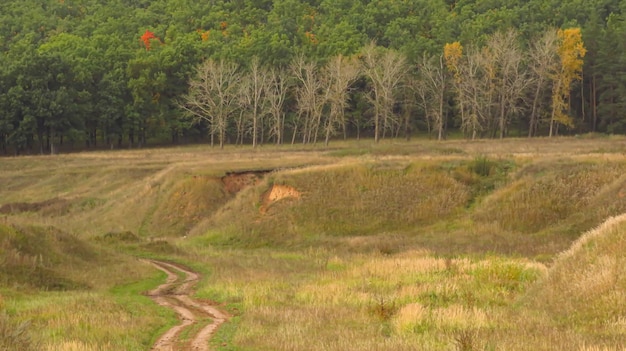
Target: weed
column 310, row 272
column 161, row 247
column 222, row 340
column 119, row 237
column 15, row 336
column 383, row 308
column 482, row 166
column 465, row 340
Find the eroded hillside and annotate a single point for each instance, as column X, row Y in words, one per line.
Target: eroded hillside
column 439, row 195
column 394, row 244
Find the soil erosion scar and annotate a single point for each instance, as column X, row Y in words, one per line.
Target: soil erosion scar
column 175, row 294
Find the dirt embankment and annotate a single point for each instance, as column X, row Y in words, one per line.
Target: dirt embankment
column 200, row 317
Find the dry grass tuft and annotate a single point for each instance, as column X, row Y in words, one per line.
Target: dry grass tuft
column 15, row 336
column 361, row 199
column 391, row 246
column 547, row 194
column 585, row 287
column 185, row 203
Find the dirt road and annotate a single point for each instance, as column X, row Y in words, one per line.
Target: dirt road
column 200, row 318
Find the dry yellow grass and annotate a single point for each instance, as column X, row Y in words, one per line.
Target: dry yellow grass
column 392, row 246
column 586, row 283
column 547, row 193
column 316, row 299
column 87, row 321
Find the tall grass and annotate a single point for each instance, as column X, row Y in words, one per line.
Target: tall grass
column 343, row 200
column 57, row 296
column 88, row 320
column 316, row 299
column 585, row 287
column 395, row 246
column 547, row 193
column 15, row 336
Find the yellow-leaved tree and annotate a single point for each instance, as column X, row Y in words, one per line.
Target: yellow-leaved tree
column 571, row 52
column 452, row 53
column 453, row 56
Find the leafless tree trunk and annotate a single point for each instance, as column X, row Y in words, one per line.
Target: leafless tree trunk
column 240, row 123
column 385, row 70
column 213, row 95
column 473, row 91
column 594, row 102
column 421, row 91
column 503, row 59
column 556, row 105
column 432, row 74
column 543, row 65
column 409, row 98
column 340, row 72
column 275, row 91
column 253, row 89
column 244, row 103
column 311, row 97
column 470, row 84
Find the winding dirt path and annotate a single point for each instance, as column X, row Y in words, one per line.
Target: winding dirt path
column 201, row 318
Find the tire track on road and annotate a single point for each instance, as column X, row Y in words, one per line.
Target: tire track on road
column 175, row 294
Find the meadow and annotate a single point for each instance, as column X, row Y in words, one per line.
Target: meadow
column 485, row 245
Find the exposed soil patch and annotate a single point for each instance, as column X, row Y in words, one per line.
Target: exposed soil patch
column 278, row 192
column 234, row 182
column 175, row 294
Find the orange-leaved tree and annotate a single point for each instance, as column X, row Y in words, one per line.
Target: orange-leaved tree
column 147, row 37
column 571, row 52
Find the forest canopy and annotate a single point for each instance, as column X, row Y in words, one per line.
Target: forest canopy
column 122, row 73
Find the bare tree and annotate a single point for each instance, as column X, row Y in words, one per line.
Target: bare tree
column 472, row 91
column 490, row 84
column 311, row 98
column 432, row 74
column 244, row 102
column 213, row 96
column 340, row 72
column 544, row 63
column 504, row 57
column 275, row 92
column 385, row 70
column 423, row 99
column 412, row 98
column 253, row 90
column 469, row 85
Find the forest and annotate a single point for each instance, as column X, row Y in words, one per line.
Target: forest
column 78, row 74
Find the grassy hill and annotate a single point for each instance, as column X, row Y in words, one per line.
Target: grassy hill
column 361, row 246
column 584, row 289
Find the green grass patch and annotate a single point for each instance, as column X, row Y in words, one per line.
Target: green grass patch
column 222, row 340
column 397, row 245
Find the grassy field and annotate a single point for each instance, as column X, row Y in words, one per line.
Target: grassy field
column 427, row 245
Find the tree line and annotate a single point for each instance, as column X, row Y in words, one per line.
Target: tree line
column 122, row 73
column 489, row 88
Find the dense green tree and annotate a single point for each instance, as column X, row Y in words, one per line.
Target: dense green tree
column 77, row 71
column 609, row 80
